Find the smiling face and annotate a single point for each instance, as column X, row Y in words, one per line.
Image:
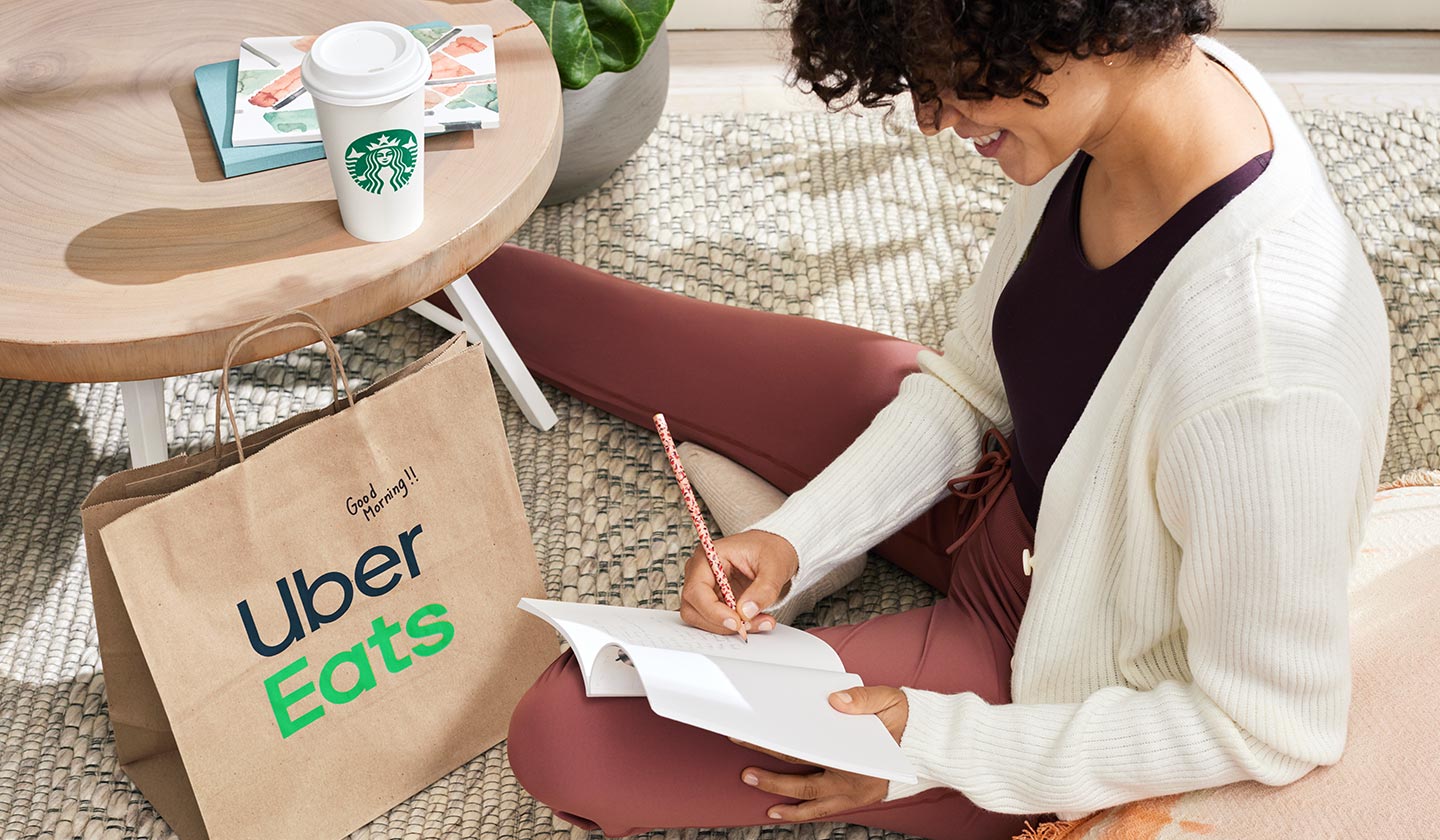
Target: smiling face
column 987, row 60
column 1028, row 140
column 385, row 157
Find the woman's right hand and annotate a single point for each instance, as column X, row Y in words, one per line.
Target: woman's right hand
column 759, row 566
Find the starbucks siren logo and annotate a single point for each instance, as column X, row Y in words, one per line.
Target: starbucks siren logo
column 383, row 159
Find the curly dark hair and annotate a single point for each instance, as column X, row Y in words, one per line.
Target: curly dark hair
column 867, row 51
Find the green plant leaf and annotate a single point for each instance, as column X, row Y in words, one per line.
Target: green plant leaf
column 590, row 37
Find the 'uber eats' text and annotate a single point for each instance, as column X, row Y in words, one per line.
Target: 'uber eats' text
column 349, row 673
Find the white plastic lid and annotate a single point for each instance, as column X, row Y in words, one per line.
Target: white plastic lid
column 367, row 62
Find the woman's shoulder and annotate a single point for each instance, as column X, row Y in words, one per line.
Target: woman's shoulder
column 1293, row 305
column 1279, row 276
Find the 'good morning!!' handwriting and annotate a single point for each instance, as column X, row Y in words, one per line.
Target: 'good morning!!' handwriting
column 378, row 570
column 373, row 501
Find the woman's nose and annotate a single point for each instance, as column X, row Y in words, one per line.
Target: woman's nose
column 927, row 114
column 935, row 117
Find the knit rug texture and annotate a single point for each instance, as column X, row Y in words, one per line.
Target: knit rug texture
column 825, row 216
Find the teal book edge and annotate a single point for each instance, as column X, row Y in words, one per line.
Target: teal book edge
column 215, row 85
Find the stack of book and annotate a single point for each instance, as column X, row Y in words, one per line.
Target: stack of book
column 260, row 116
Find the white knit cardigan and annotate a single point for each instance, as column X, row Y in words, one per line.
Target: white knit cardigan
column 1187, row 621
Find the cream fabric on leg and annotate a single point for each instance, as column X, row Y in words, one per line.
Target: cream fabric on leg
column 738, row 498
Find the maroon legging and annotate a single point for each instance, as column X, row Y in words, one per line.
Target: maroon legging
column 782, row 395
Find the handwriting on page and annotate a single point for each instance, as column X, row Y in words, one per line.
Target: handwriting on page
column 661, row 633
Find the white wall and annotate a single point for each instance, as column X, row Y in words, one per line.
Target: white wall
column 719, row 14
column 1235, row 14
column 1323, row 14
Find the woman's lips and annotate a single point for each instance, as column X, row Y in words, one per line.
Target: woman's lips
column 989, row 145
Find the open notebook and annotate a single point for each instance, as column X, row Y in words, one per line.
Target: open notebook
column 771, row 692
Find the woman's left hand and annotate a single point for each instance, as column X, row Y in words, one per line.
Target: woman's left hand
column 828, row 791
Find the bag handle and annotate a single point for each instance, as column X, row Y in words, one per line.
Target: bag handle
column 265, row 326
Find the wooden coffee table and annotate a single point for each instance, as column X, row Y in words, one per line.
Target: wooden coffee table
column 125, row 256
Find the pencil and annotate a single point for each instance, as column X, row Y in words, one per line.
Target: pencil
column 246, row 46
column 440, row 42
column 698, row 521
column 287, row 100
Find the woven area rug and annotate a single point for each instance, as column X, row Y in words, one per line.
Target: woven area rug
column 823, row 216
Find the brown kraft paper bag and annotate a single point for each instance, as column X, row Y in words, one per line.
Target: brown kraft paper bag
column 300, row 631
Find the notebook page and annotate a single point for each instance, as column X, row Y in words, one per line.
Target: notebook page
column 782, row 708
column 664, row 629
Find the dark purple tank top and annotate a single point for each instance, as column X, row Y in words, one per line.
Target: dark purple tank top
column 1058, row 321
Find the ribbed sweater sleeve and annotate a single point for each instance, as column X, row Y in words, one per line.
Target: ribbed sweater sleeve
column 1259, row 493
column 898, row 467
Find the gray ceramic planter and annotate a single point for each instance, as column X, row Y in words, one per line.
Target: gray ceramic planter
column 607, row 120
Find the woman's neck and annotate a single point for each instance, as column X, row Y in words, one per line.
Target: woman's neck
column 1174, row 127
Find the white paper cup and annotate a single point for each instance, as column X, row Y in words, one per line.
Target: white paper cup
column 368, row 82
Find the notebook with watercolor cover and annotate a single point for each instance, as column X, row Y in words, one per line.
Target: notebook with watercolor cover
column 772, row 692
column 272, row 106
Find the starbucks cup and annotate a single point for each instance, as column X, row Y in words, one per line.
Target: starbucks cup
column 368, row 82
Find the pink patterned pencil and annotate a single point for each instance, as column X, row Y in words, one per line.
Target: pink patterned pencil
column 698, row 520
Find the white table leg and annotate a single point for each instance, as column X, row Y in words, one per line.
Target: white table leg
column 145, row 421
column 435, row 315
column 480, row 322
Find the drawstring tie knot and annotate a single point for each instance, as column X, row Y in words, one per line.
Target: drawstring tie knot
column 979, row 491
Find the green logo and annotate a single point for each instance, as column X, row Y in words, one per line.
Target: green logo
column 383, row 159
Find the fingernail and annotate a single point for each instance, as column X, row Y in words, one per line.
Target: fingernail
column 842, row 697
column 774, row 815
column 731, row 625
column 765, row 625
column 750, row 779
column 749, row 608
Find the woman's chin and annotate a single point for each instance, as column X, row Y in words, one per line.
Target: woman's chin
column 1018, row 174
column 1021, row 170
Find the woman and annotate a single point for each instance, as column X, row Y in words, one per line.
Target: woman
column 1139, row 469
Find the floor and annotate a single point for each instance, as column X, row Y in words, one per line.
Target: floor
column 743, row 70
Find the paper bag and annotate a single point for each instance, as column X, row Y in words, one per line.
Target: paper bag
column 304, row 627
